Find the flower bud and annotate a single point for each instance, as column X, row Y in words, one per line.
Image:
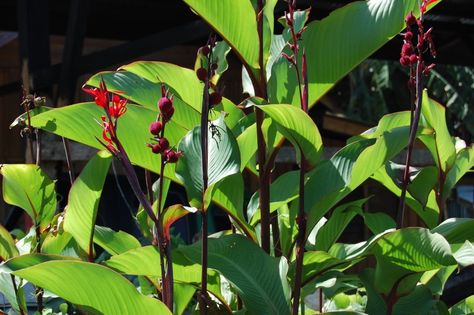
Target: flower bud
column 164, row 144
column 165, row 104
column 413, row 58
column 172, row 156
column 215, row 98
column 201, row 74
column 214, row 66
column 410, row 19
column 155, row 148
column 407, row 49
column 408, row 36
column 168, row 114
column 404, row 61
column 205, row 50
column 156, row 127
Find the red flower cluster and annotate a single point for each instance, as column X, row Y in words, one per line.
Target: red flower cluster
column 157, row 129
column 114, row 107
column 412, row 52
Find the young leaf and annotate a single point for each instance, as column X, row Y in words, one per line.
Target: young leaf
column 223, row 160
column 173, row 214
column 83, row 201
column 7, row 245
column 259, row 279
column 28, row 187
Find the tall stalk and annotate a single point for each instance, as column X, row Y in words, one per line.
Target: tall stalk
column 412, row 56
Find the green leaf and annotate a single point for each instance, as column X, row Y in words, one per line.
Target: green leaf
column 328, row 41
column 183, row 82
column 415, row 249
column 348, row 169
column 7, row 245
column 223, row 159
column 419, row 301
column 28, row 187
column 79, row 123
column 339, row 220
column 429, row 214
column 456, row 230
column 463, row 163
column 83, row 201
column 435, row 116
column 8, row 292
column 114, row 242
column 235, row 22
column 229, row 195
column 72, row 281
column 259, row 279
column 296, row 126
column 173, row 214
column 141, row 91
column 423, row 183
column 465, row 255
column 465, row 306
column 183, row 294
column 378, row 222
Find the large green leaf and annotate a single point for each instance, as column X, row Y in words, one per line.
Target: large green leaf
column 183, row 82
column 463, row 307
column 463, row 163
column 259, row 279
column 28, row 187
column 7, row 245
column 141, row 91
column 77, row 283
column 235, row 22
column 434, row 113
column 456, row 230
column 223, row 159
column 296, row 126
column 338, row 43
column 79, row 123
column 114, row 242
column 83, row 201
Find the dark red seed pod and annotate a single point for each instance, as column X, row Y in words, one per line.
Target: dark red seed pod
column 164, row 144
column 413, row 58
column 410, row 19
column 214, row 66
column 155, row 148
column 168, row 114
column 215, row 98
column 165, row 104
column 404, row 61
column 407, row 49
column 205, row 50
column 408, row 36
column 156, row 127
column 201, row 74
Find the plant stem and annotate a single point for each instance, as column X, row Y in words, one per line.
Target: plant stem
column 264, row 175
column 149, row 186
column 67, row 153
column 204, row 159
column 38, row 146
column 411, row 142
column 38, row 291
column 18, row 301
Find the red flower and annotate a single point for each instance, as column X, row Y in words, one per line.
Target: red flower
column 118, row 107
column 100, row 95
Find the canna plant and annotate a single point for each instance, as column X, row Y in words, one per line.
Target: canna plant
column 282, row 254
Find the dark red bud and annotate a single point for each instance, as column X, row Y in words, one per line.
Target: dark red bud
column 214, row 66
column 155, row 148
column 156, row 127
column 168, row 114
column 410, row 19
column 404, row 61
column 205, row 50
column 164, row 144
column 215, row 98
column 201, row 74
column 408, row 36
column 172, row 156
column 407, row 49
column 413, row 59
column 165, row 104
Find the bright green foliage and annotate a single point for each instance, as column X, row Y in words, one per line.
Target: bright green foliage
column 72, row 280
column 114, row 242
column 259, row 279
column 83, row 202
column 28, row 187
column 223, row 161
column 7, row 245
